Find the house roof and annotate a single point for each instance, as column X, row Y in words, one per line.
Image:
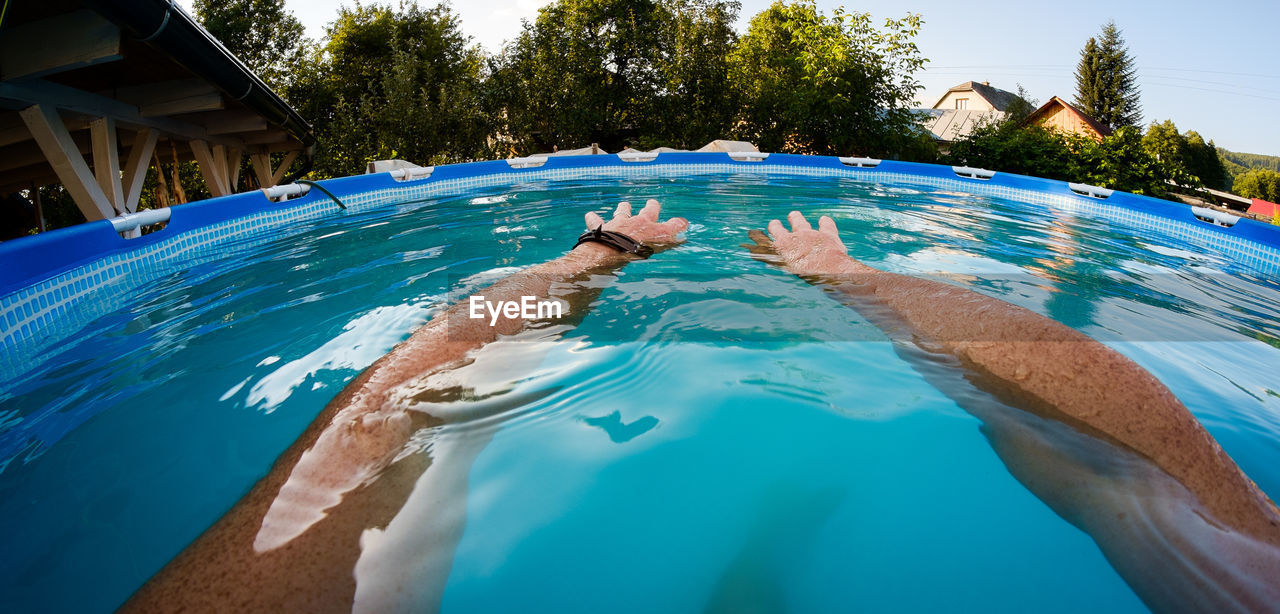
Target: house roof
column 949, row 125
column 1045, row 108
column 996, row 97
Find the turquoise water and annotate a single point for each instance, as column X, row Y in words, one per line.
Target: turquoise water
column 716, row 434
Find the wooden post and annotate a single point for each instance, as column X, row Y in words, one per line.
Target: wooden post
column 162, row 187
column 284, row 166
column 64, row 156
column 35, row 197
column 135, row 169
column 178, row 192
column 212, row 163
column 106, row 160
column 261, row 163
column 233, row 169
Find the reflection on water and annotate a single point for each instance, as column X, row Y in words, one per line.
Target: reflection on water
column 778, row 453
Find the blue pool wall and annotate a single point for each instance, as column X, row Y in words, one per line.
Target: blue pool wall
column 53, row 284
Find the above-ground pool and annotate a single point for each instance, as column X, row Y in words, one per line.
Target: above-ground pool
column 714, row 434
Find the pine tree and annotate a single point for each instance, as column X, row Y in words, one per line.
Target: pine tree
column 1106, row 80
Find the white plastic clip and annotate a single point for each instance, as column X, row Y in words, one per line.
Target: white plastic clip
column 638, row 156
column 529, row 162
column 1091, row 191
column 1215, row 217
column 281, row 193
column 860, row 162
column 412, row 173
column 969, row 172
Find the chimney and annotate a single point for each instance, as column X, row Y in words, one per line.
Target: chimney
column 986, row 83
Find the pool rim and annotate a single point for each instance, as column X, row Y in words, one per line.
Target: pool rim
column 44, row 274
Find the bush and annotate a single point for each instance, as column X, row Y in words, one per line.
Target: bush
column 1259, row 183
column 818, row 84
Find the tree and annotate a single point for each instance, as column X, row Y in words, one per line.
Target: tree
column 812, row 83
column 1259, row 183
column 1008, row 147
column 1120, row 162
column 387, row 83
column 1020, row 108
column 1186, row 158
column 1107, row 80
column 696, row 104
column 262, row 33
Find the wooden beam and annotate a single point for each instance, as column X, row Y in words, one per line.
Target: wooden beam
column 190, row 104
column 106, row 160
column 205, row 159
column 261, row 163
column 46, row 126
column 235, row 124
column 53, row 95
column 158, row 91
column 265, row 137
column 220, row 160
column 233, row 168
column 284, row 167
column 16, row 131
column 135, row 169
column 63, row 42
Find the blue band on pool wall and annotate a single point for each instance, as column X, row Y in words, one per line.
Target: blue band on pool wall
column 54, row 283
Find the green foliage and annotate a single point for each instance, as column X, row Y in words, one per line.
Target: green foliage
column 813, row 83
column 583, row 71
column 617, row 72
column 1120, row 162
column 1020, row 108
column 386, row 83
column 1259, row 183
column 1246, row 161
column 265, row 36
column 1010, row 148
column 1237, row 164
column 696, row 104
column 1107, row 80
column 1187, row 158
column 1127, row 160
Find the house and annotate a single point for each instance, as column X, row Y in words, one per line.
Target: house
column 974, row 96
column 964, row 108
column 1061, row 115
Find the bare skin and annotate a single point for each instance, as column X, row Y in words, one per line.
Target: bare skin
column 299, row 540
column 1174, row 514
column 293, row 542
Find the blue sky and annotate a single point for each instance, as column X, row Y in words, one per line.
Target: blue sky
column 1210, row 66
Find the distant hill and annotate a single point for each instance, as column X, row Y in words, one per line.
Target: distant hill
column 1238, row 163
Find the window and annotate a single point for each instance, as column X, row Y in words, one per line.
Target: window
column 962, row 103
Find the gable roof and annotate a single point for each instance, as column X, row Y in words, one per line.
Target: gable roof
column 1102, row 129
column 996, row 97
column 948, row 125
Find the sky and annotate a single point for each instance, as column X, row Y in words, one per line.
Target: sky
column 1212, row 67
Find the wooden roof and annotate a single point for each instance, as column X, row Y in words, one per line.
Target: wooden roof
column 142, row 65
column 1056, row 103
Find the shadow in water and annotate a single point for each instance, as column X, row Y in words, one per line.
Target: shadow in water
column 620, row 432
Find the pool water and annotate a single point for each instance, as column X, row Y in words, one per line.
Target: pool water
column 716, row 435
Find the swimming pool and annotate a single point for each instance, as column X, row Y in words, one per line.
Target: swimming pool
column 714, row 434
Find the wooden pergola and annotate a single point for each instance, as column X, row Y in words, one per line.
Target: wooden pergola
column 90, row 88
